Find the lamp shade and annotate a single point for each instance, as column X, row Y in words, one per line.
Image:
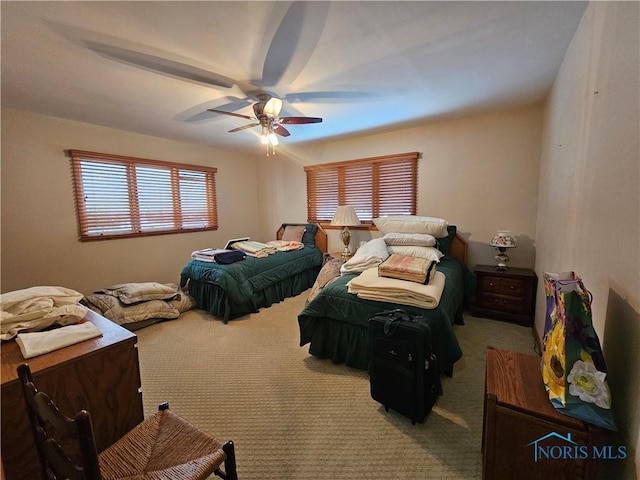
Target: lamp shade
column 503, row 240
column 272, row 107
column 345, row 216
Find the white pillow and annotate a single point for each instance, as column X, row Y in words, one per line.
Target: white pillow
column 412, row 224
column 429, row 253
column 422, row 239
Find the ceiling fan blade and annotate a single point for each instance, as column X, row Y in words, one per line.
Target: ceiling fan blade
column 329, row 97
column 294, row 41
column 230, row 113
column 300, row 120
column 280, row 130
column 159, row 64
column 243, row 127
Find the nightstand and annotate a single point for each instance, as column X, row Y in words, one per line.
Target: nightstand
column 505, row 294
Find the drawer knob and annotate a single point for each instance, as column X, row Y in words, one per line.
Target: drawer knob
column 491, row 284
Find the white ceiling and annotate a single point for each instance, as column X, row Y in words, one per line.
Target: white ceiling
column 362, row 66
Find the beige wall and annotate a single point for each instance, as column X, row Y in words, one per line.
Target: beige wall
column 480, row 173
column 39, row 233
column 589, row 201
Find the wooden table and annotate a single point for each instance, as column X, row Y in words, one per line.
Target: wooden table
column 518, row 416
column 101, row 375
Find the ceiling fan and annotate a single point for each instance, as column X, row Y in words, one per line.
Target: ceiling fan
column 266, row 112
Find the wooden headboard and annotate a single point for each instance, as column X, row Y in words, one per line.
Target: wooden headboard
column 458, row 248
column 320, row 238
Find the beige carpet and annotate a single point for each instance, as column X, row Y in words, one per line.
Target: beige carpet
column 293, row 416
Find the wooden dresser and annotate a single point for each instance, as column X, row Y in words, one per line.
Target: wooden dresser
column 101, row 375
column 505, row 295
column 518, row 417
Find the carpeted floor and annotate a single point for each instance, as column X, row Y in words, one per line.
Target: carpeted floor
column 293, row 416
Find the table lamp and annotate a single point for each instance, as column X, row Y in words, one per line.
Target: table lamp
column 502, row 241
column 345, row 217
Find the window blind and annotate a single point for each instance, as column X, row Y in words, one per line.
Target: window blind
column 374, row 186
column 125, row 196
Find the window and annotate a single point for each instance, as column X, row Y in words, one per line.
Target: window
column 373, row 186
column 125, row 196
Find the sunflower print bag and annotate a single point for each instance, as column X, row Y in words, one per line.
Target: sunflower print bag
column 573, row 367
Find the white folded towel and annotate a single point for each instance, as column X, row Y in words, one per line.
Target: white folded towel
column 38, row 343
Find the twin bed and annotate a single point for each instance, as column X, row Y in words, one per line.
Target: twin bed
column 230, row 291
column 335, row 323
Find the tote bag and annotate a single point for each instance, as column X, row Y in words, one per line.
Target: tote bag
column 573, row 367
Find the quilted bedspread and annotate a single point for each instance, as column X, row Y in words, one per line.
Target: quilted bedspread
column 241, row 280
column 335, row 322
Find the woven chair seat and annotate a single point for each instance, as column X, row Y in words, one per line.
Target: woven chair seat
column 157, row 448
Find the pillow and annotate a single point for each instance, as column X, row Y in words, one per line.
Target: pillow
column 412, row 224
column 422, row 239
column 293, row 233
column 429, row 253
column 130, row 293
column 309, row 237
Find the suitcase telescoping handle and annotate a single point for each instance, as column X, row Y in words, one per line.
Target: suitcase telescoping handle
column 393, row 316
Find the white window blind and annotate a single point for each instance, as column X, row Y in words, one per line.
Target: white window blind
column 373, row 186
column 125, row 196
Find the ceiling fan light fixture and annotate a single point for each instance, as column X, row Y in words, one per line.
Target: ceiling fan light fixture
column 272, row 107
column 273, row 139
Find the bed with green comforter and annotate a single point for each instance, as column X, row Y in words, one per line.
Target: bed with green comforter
column 335, row 323
column 236, row 289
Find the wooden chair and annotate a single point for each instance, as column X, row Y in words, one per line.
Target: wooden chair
column 163, row 446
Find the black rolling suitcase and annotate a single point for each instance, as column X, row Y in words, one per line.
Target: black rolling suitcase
column 402, row 367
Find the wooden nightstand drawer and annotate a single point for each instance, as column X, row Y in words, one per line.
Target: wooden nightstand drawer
column 505, row 295
column 504, row 303
column 503, row 286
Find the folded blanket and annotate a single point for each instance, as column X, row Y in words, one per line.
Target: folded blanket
column 285, row 245
column 111, row 307
column 253, row 248
column 412, row 269
column 370, row 286
column 36, row 308
column 38, row 343
column 371, row 254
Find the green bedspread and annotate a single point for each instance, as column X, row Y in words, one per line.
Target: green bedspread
column 228, row 291
column 335, row 322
